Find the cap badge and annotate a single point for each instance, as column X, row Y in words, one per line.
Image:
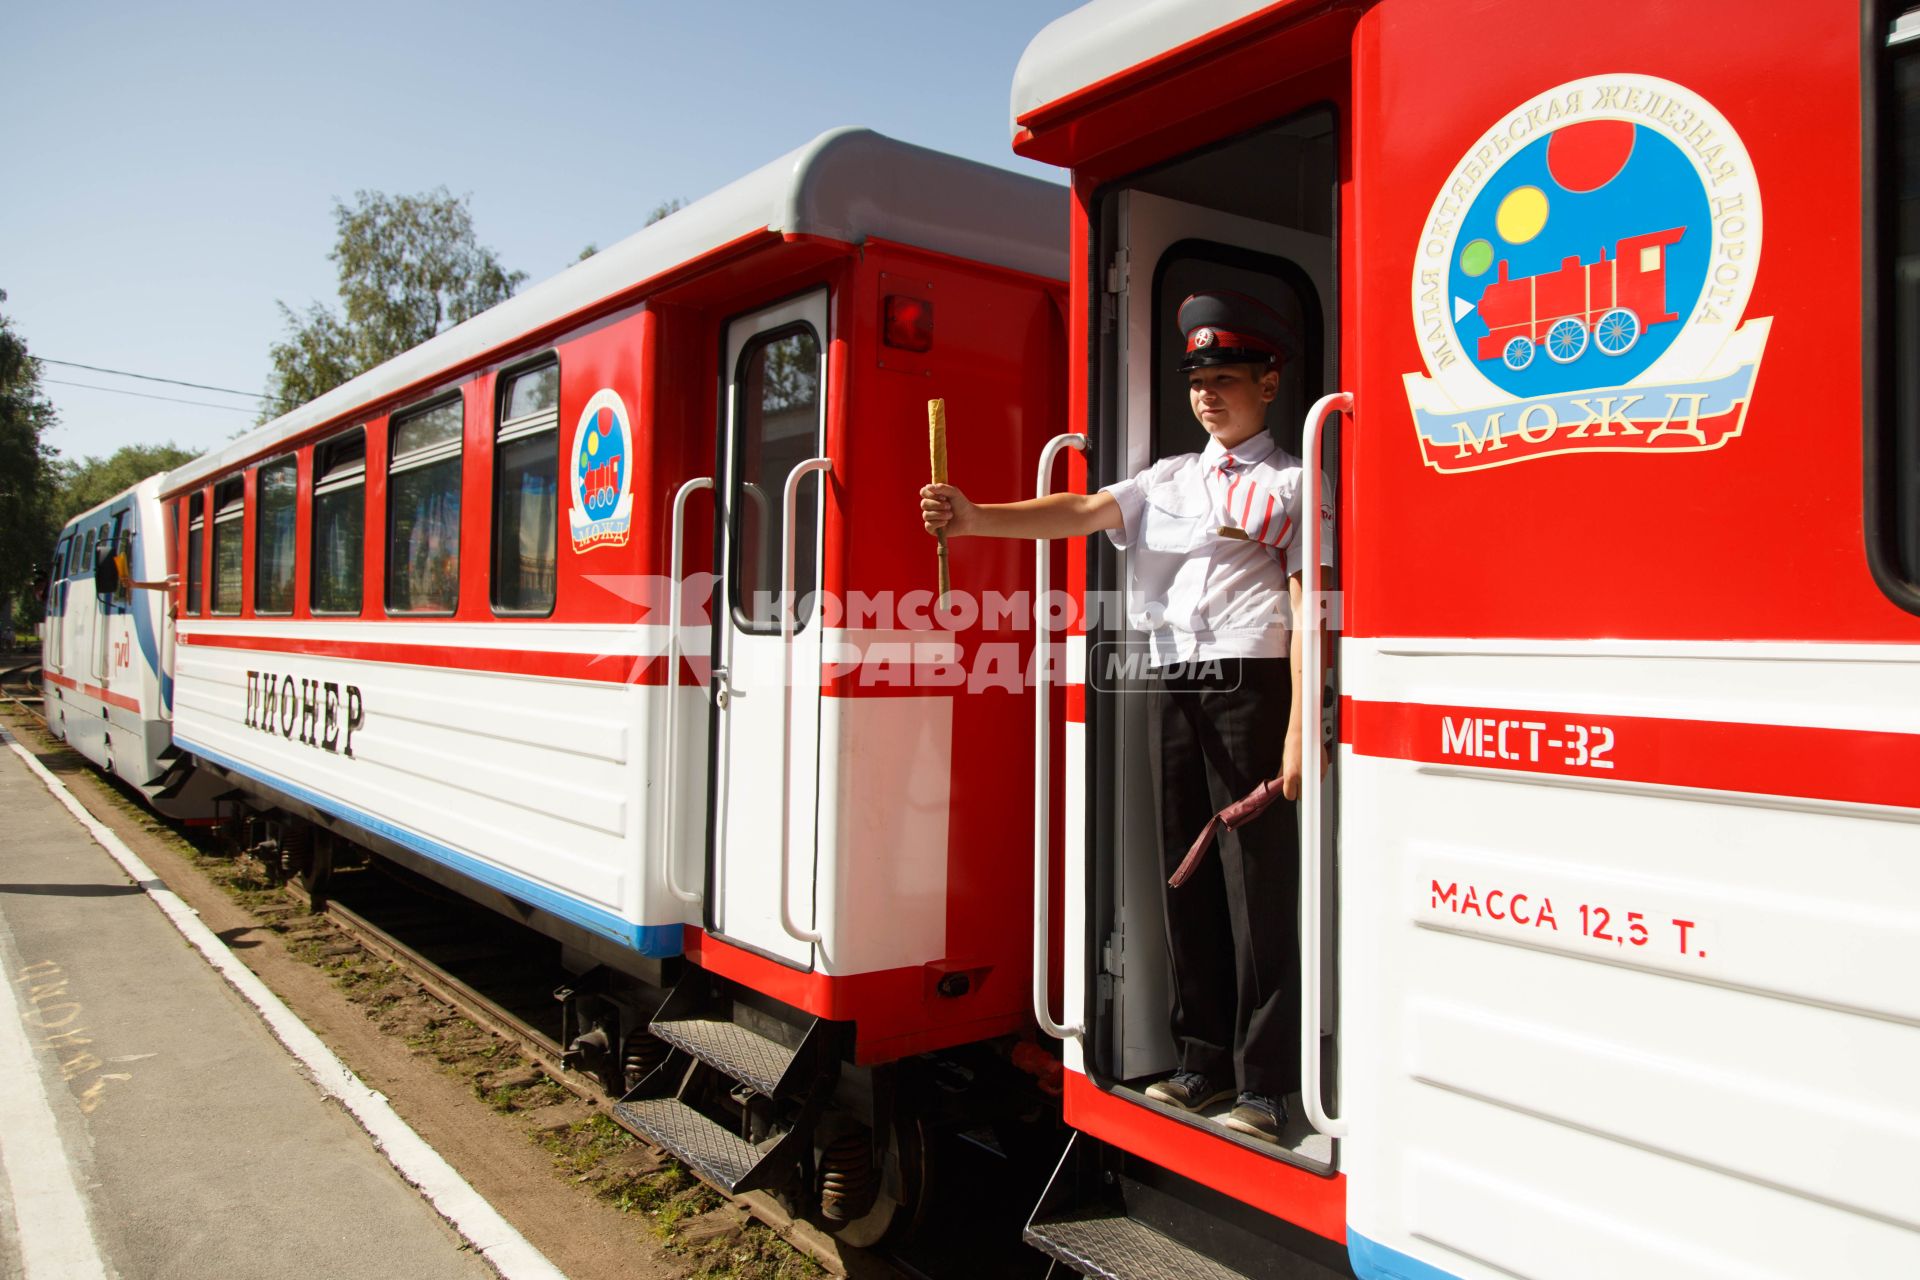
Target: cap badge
column 1202, row 337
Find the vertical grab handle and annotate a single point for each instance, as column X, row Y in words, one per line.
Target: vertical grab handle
column 1043, row 755
column 1311, row 817
column 790, row 507
column 675, row 574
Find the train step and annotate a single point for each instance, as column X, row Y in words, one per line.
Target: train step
column 179, row 773
column 1109, row 1214
column 1111, row 1245
column 771, row 1049
column 741, row 1086
column 709, row 1148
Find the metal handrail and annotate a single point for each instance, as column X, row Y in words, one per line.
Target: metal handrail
column 1312, row 768
column 790, row 507
column 1043, row 756
column 675, row 572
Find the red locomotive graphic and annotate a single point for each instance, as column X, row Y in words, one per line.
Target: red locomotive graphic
column 1613, row 300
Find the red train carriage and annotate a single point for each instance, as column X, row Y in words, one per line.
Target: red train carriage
column 1615, row 300
column 510, row 610
column 1609, row 912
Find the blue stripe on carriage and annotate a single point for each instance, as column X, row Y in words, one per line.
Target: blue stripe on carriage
column 1374, row 1261
column 656, row 940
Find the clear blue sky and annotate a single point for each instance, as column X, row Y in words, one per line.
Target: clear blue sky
column 173, row 168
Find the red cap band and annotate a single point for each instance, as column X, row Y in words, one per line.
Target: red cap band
column 1211, row 337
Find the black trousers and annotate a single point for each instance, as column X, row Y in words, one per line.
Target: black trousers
column 1233, row 930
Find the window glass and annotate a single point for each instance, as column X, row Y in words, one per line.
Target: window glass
column 230, row 505
column 1899, row 482
column 423, row 512
column 196, row 544
column 339, row 523
column 273, row 536
column 526, row 492
column 777, row 428
column 535, row 391
column 426, row 431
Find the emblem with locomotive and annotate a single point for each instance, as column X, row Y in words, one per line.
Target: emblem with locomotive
column 1580, row 282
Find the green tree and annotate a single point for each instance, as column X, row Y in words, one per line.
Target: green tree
column 91, row 481
column 27, row 522
column 664, row 208
column 409, row 268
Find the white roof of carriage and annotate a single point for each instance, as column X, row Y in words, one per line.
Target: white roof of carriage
column 846, row 185
column 1106, row 37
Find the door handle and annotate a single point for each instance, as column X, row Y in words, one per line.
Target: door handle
column 1311, row 771
column 789, row 605
column 1043, row 755
column 668, row 795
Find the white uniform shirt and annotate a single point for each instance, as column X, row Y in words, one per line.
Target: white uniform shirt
column 1199, row 593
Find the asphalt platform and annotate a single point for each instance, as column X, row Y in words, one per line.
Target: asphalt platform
column 150, row 1123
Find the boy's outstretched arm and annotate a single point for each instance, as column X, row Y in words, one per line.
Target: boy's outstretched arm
column 1058, row 515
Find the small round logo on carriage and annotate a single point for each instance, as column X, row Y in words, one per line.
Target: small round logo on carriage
column 1202, row 338
column 1581, row 282
column 602, row 469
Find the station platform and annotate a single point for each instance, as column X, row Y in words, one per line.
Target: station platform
column 151, row 1125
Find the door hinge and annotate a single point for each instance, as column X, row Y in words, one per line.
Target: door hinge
column 1113, row 953
column 1117, row 272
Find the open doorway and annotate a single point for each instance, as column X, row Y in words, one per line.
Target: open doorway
column 1256, row 215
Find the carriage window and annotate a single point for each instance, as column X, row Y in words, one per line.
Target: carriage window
column 1895, row 481
column 274, row 488
column 339, row 522
column 423, row 511
column 526, row 490
column 229, row 532
column 196, row 542
column 778, row 386
column 86, row 557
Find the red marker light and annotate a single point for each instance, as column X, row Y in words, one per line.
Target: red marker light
column 908, row 323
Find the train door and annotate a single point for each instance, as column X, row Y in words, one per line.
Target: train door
column 55, row 619
column 1175, row 232
column 766, row 697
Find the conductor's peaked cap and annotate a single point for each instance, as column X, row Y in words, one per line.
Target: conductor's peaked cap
column 1225, row 327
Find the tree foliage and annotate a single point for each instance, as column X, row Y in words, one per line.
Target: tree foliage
column 409, row 268
column 91, row 481
column 27, row 520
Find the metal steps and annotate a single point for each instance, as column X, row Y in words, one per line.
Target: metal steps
column 1112, row 1246
column 738, row 1066
column 757, row 1061
column 1115, row 1215
column 719, row 1156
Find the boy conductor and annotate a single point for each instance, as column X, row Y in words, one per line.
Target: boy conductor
column 1215, row 575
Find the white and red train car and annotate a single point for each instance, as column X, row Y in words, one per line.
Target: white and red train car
column 431, row 612
column 1612, row 912
column 106, row 650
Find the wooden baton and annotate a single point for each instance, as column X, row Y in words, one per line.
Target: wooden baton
column 937, row 443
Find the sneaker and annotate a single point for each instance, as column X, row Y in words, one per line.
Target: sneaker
column 1257, row 1116
column 1188, row 1090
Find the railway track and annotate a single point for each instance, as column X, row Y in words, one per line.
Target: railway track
column 19, row 685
